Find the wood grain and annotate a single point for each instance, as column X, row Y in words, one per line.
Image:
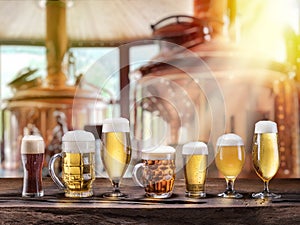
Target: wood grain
column 54, row 208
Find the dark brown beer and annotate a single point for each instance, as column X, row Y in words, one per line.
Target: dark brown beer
column 32, row 153
column 33, row 164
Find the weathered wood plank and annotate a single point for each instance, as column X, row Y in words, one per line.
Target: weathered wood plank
column 54, row 208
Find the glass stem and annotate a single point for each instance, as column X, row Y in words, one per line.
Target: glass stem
column 266, row 187
column 116, row 187
column 230, row 185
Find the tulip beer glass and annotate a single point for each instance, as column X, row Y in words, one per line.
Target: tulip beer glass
column 195, row 165
column 32, row 153
column 158, row 172
column 230, row 160
column 116, row 152
column 265, row 155
column 78, row 164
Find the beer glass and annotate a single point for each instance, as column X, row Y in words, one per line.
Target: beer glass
column 78, row 164
column 195, row 164
column 116, row 152
column 158, row 172
column 32, row 153
column 230, row 159
column 265, row 155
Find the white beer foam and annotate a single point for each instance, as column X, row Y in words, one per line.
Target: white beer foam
column 159, row 153
column 78, row 141
column 230, row 140
column 163, row 149
column 195, row 148
column 32, row 144
column 115, row 125
column 265, row 126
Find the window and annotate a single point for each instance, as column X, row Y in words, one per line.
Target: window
column 14, row 59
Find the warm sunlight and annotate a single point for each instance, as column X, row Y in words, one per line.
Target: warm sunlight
column 264, row 25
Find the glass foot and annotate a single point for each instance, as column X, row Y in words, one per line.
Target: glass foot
column 78, row 194
column 230, row 194
column 155, row 195
column 193, row 194
column 116, row 194
column 265, row 195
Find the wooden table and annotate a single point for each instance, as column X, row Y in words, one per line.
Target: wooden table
column 54, row 208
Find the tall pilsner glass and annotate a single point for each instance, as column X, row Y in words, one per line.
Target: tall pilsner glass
column 265, row 155
column 116, row 152
column 195, row 166
column 230, row 160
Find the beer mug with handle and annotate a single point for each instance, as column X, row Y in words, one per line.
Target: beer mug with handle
column 78, row 164
column 158, row 172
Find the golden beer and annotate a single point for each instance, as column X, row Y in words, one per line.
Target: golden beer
column 78, row 164
column 230, row 160
column 116, row 153
column 265, row 155
column 195, row 172
column 78, row 172
column 195, row 163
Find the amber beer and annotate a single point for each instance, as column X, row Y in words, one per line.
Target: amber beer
column 158, row 175
column 230, row 160
column 195, row 165
column 78, row 164
column 116, row 153
column 265, row 155
column 32, row 154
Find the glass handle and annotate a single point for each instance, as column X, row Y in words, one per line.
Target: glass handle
column 135, row 172
column 52, row 171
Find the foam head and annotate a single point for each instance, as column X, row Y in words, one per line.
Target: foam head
column 265, row 126
column 32, row 144
column 78, row 141
column 161, row 152
column 115, row 125
column 195, row 148
column 230, row 140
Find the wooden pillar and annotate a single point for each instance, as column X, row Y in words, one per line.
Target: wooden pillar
column 56, row 42
column 124, row 81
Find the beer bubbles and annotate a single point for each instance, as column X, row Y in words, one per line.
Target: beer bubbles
column 195, row 165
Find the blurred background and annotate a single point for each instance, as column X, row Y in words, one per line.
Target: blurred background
column 179, row 70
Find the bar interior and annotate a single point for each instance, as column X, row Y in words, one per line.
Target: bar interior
column 196, row 101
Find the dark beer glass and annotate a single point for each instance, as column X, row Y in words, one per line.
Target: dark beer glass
column 32, row 154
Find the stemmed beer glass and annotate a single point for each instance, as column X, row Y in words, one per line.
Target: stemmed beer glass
column 116, row 152
column 230, row 160
column 265, row 155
